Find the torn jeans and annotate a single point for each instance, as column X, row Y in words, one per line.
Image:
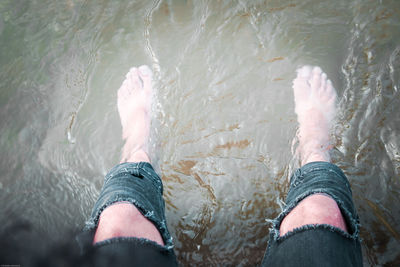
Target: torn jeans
column 136, row 183
column 316, row 245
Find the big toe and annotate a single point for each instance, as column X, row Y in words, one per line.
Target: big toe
column 126, row 87
column 301, row 89
column 146, row 75
column 137, row 81
column 315, row 79
column 304, row 72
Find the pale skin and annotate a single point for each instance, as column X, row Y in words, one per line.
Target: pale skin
column 315, row 100
column 315, row 106
column 134, row 107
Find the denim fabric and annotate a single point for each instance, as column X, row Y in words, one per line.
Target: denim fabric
column 316, row 245
column 130, row 251
column 136, row 183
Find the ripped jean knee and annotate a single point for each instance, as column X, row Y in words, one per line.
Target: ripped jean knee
column 135, row 183
column 322, row 178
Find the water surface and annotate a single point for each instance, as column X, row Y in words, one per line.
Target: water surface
column 224, row 115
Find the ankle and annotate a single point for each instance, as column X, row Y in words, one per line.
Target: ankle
column 314, row 149
column 136, row 156
column 315, row 157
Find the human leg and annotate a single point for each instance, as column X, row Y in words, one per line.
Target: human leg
column 134, row 106
column 319, row 224
column 128, row 219
column 315, row 100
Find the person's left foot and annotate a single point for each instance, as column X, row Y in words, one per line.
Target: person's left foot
column 134, row 107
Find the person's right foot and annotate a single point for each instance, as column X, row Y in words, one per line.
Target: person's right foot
column 134, row 107
column 315, row 106
column 123, row 219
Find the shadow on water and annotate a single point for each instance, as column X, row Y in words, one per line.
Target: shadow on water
column 224, row 123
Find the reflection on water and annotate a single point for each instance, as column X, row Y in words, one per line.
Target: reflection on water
column 224, row 112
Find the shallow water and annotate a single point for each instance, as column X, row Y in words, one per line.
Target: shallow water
column 224, row 115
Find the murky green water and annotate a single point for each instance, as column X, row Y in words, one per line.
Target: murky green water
column 224, row 116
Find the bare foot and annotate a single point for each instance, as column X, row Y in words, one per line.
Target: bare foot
column 315, row 106
column 134, row 107
column 123, row 219
column 315, row 100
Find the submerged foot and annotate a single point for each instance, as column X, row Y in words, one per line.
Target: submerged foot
column 134, row 107
column 315, row 106
column 123, row 219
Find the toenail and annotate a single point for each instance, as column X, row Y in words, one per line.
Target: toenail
column 317, row 70
column 145, row 70
column 141, row 82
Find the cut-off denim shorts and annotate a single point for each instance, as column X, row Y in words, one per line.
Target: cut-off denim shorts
column 139, row 184
column 311, row 245
column 322, row 244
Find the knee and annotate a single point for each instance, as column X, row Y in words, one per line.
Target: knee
column 125, row 220
column 314, row 209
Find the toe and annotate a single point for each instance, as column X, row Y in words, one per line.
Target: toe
column 128, row 81
column 315, row 79
column 322, row 90
column 134, row 78
column 301, row 90
column 300, row 85
column 317, row 70
column 131, row 72
column 146, row 76
column 330, row 89
column 323, row 81
column 123, row 91
column 145, row 71
column 304, row 72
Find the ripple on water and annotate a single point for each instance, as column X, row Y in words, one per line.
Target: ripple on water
column 224, row 111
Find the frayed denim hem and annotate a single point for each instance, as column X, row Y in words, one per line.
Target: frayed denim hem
column 352, row 222
column 313, row 227
column 316, row 178
column 91, row 224
column 135, row 183
column 143, row 242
